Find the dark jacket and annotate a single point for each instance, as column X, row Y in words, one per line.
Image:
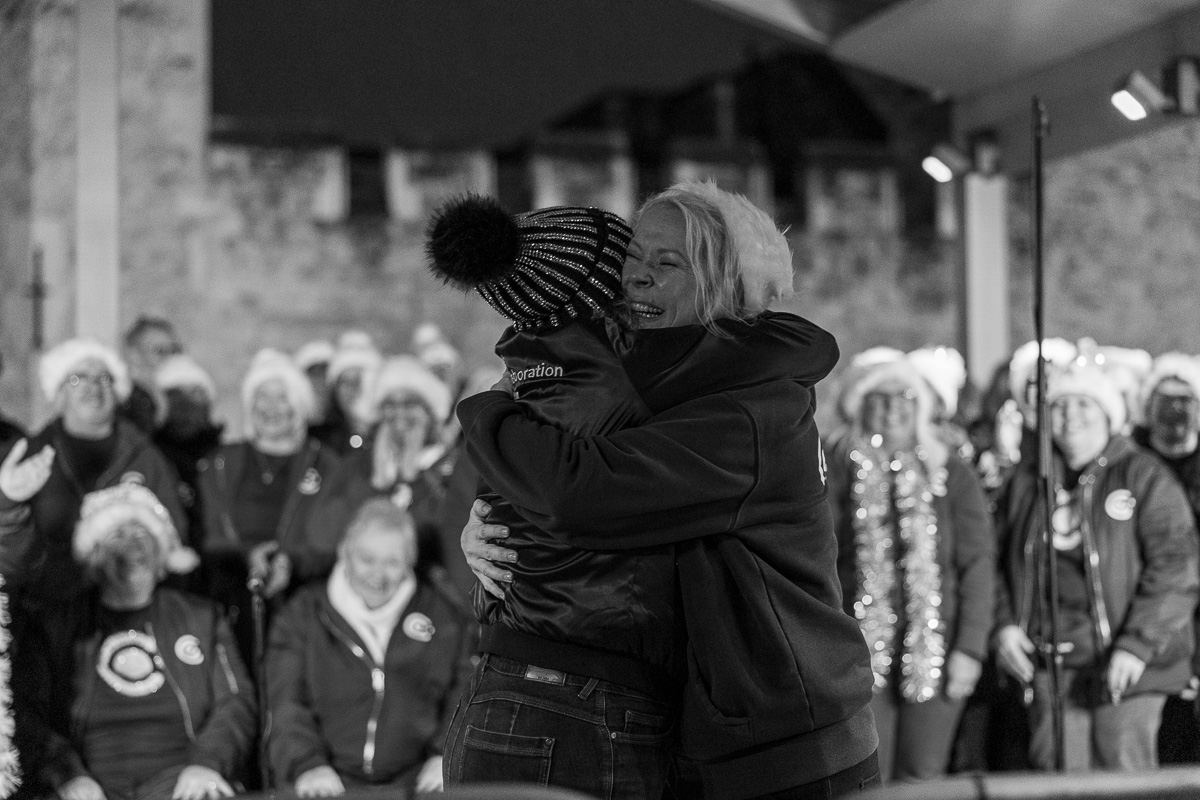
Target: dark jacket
column 58, row 669
column 10, row 433
column 185, row 455
column 47, row 570
column 333, row 705
column 1141, row 563
column 219, row 477
column 1187, row 470
column 779, row 676
column 619, row 625
column 349, row 486
column 966, row 551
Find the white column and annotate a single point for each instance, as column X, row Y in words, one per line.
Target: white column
column 985, row 233
column 97, row 191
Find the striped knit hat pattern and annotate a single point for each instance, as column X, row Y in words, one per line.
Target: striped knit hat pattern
column 540, row 269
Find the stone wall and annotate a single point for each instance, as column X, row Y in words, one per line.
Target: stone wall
column 16, row 38
column 1122, row 244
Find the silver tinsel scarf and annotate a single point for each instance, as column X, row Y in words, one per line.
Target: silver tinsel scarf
column 896, row 530
column 10, row 773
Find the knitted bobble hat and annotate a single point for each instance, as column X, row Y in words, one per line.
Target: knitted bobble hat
column 539, row 269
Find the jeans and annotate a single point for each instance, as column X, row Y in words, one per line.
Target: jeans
column 1096, row 734
column 521, row 723
column 861, row 777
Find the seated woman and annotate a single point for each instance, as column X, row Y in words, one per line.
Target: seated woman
column 405, row 404
column 366, row 668
column 142, row 695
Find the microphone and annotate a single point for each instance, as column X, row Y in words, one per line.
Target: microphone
column 257, row 584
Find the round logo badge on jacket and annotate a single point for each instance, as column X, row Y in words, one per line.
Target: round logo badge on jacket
column 1120, row 504
column 187, row 650
column 311, row 482
column 418, row 626
column 126, row 663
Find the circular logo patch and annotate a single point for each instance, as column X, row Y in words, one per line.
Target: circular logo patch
column 126, row 663
column 1120, row 504
column 187, row 650
column 418, row 626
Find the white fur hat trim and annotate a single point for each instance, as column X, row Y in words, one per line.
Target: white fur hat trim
column 271, row 364
column 763, row 255
column 1170, row 365
column 1088, row 380
column 354, row 349
column 58, row 363
column 405, row 373
column 103, row 512
column 181, row 371
column 945, row 370
column 1021, row 366
column 874, row 377
column 312, row 353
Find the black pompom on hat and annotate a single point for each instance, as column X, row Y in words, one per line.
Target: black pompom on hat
column 539, row 269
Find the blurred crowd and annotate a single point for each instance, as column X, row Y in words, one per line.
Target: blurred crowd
column 147, row 548
column 144, row 546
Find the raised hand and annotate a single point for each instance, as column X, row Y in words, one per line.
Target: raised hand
column 21, row 480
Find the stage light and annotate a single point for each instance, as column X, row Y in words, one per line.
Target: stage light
column 1137, row 97
column 945, row 163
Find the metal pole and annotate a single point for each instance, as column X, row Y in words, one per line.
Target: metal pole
column 1047, row 562
column 258, row 611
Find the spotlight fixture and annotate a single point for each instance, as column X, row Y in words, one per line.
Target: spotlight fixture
column 1137, row 97
column 945, row 163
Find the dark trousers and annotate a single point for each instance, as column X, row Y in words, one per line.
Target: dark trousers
column 1096, row 734
column 914, row 738
column 861, row 777
column 525, row 724
column 1179, row 734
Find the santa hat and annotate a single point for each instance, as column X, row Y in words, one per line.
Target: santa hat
column 270, row 364
column 859, row 365
column 404, row 374
column 901, row 371
column 1085, row 378
column 355, row 349
column 313, row 353
column 182, row 371
column 539, row 269
column 104, row 512
column 1023, row 364
column 946, row 372
column 1179, row 366
column 438, row 353
column 59, row 362
column 763, row 256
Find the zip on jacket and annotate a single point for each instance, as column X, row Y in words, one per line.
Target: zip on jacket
column 378, row 685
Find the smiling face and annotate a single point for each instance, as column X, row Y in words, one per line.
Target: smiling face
column 890, row 410
column 89, row 401
column 378, row 559
column 272, row 415
column 407, row 418
column 1079, row 427
column 658, row 278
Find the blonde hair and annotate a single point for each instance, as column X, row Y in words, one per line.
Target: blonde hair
column 740, row 259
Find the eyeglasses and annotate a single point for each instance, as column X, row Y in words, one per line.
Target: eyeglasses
column 887, row 400
column 103, row 379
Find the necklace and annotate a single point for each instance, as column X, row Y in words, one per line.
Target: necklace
column 267, row 472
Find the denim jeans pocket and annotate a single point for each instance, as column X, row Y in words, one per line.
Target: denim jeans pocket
column 641, row 728
column 523, row 759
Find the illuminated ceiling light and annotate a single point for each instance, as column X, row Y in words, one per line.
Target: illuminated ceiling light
column 1137, row 97
column 946, row 163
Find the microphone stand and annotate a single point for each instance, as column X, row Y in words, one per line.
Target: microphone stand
column 1047, row 563
column 258, row 611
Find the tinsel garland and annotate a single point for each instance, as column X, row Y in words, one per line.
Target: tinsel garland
column 896, row 530
column 10, row 772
